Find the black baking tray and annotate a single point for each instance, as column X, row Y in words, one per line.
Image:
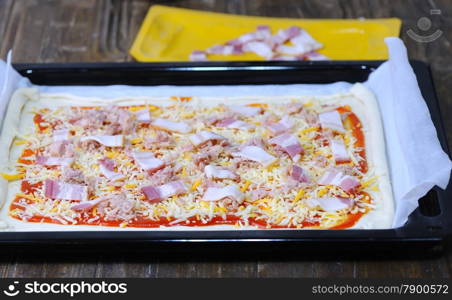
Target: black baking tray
column 427, row 227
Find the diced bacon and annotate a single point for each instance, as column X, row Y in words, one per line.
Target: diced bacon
column 284, row 35
column 54, row 161
column 198, row 55
column 263, row 32
column 331, row 203
column 168, row 125
column 234, row 123
column 339, row 151
column 155, row 194
column 87, row 205
column 289, row 144
column 223, row 49
column 304, row 42
column 313, row 55
column 256, row 154
column 348, row 183
column 204, row 136
column 143, row 115
column 60, row 190
column 107, row 167
column 331, row 178
column 260, row 48
column 247, row 111
column 60, row 135
column 283, row 125
column 331, row 120
column 298, row 174
column 147, row 161
column 230, row 191
column 334, row 177
column 219, row 173
column 106, row 140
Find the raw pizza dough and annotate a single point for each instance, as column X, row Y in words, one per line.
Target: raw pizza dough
column 19, row 122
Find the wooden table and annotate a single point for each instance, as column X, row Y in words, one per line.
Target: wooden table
column 92, row 31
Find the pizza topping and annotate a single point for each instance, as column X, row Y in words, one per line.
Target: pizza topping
column 289, row 144
column 219, row 173
column 339, row 151
column 234, row 123
column 203, row 136
column 331, row 120
column 147, row 161
column 155, row 194
column 168, row 125
column 198, row 55
column 60, row 135
column 218, row 193
column 330, row 204
column 54, row 161
column 282, row 126
column 334, row 177
column 61, row 149
column 106, row 140
column 61, row 190
column 223, row 167
column 107, row 167
column 298, row 174
column 256, row 154
column 247, row 111
column 87, row 205
column 143, row 115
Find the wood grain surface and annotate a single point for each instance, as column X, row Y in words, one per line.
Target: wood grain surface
column 92, row 31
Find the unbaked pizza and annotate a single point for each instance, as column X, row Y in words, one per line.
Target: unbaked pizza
column 195, row 162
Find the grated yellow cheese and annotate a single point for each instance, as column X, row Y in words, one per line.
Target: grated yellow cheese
column 12, row 177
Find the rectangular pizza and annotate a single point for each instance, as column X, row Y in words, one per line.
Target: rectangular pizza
column 204, row 163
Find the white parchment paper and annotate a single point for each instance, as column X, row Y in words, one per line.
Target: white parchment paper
column 416, row 159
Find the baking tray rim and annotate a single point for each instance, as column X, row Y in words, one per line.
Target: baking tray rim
column 432, row 230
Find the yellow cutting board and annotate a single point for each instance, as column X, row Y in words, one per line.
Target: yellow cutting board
column 171, row 34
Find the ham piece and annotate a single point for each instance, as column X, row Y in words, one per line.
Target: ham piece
column 247, row 111
column 219, row 173
column 219, row 193
column 61, row 190
column 234, row 123
column 298, row 174
column 107, row 167
column 54, row 161
column 147, row 161
column 289, row 144
column 331, row 203
column 60, row 135
column 256, row 154
column 106, row 140
column 339, row 151
column 282, row 126
column 331, row 120
column 156, row 194
column 337, row 178
column 204, row 136
column 171, row 126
